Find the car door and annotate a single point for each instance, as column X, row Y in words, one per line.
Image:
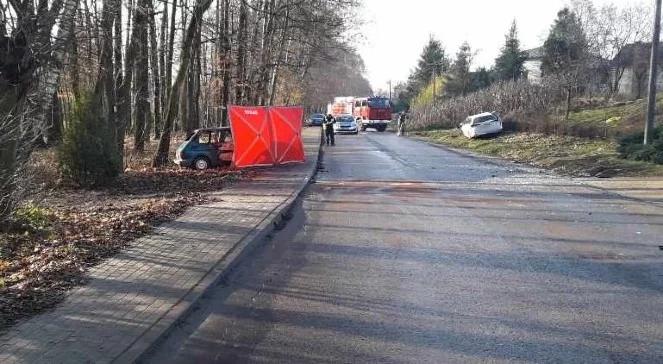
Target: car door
column 227, row 147
column 204, row 145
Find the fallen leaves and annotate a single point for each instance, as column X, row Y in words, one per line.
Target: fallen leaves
column 82, row 227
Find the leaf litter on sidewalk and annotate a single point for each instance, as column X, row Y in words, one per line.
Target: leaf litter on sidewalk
column 55, row 239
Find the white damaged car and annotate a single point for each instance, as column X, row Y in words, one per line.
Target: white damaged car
column 481, row 124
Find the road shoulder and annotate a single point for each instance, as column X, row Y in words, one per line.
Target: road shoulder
column 643, row 189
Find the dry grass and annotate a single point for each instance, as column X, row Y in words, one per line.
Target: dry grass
column 564, row 154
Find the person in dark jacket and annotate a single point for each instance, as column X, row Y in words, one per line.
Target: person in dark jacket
column 328, row 126
column 402, row 118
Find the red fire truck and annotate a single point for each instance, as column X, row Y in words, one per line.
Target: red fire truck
column 372, row 112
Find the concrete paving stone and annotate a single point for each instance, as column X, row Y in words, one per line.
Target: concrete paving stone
column 127, row 293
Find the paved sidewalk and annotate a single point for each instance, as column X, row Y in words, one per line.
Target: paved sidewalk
column 649, row 189
column 133, row 297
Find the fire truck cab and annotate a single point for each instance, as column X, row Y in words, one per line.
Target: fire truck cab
column 372, row 112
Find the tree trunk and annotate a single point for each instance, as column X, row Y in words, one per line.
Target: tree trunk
column 281, row 55
column 266, row 55
column 225, row 96
column 171, row 48
column 568, row 104
column 55, row 121
column 192, row 119
column 240, row 87
column 31, row 87
column 253, row 63
column 156, row 71
column 75, row 71
column 118, row 76
column 161, row 156
column 162, row 59
column 105, row 88
column 125, row 90
column 50, row 73
column 141, row 79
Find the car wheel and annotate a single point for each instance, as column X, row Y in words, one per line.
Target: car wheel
column 381, row 128
column 201, row 163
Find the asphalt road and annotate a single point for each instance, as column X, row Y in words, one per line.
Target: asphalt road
column 404, row 252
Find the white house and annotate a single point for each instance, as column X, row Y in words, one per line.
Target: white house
column 532, row 64
column 631, row 68
column 597, row 73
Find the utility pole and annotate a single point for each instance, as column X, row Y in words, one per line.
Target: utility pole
column 653, row 75
column 389, row 90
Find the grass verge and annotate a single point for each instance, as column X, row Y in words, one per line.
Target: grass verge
column 573, row 156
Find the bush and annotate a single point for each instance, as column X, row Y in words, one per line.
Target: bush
column 88, row 155
column 512, row 97
column 631, row 147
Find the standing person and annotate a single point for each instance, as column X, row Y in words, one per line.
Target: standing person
column 402, row 117
column 328, row 126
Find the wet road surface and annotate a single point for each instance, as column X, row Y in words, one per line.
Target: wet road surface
column 404, row 252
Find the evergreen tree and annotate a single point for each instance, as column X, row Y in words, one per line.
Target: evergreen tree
column 509, row 64
column 481, row 79
column 566, row 47
column 461, row 78
column 88, row 154
column 565, row 53
column 433, row 61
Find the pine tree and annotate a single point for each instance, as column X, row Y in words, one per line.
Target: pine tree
column 433, row 61
column 565, row 53
column 509, row 64
column 566, row 46
column 461, row 78
column 88, row 154
column 481, row 79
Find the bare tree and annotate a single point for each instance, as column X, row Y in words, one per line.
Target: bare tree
column 258, row 51
column 610, row 30
column 240, row 77
column 31, row 60
column 156, row 66
column 140, row 74
column 161, row 157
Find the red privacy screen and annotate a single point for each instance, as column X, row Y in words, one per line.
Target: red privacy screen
column 266, row 136
column 287, row 128
column 252, row 136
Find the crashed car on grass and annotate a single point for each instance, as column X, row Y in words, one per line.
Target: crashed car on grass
column 481, row 124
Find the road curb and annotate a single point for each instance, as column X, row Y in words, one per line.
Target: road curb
column 142, row 346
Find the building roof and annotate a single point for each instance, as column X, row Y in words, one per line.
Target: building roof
column 534, row 53
column 538, row 53
column 633, row 51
